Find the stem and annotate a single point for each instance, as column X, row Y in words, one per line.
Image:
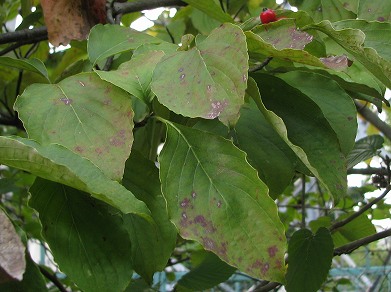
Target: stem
column 129, row 7
column 348, row 248
column 368, row 171
column 361, row 211
column 261, row 66
column 53, row 279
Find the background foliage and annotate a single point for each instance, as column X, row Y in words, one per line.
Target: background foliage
column 260, row 126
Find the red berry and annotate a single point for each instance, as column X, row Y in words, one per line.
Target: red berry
column 268, row 15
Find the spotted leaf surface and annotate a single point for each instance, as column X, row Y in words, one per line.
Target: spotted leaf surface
column 87, row 115
column 216, row 198
column 208, row 81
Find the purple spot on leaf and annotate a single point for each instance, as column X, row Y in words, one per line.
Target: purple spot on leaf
column 193, row 194
column 272, row 251
column 219, row 204
column 217, row 108
column 79, row 149
column 66, row 100
column 185, row 203
column 180, row 70
column 200, row 220
column 208, row 243
column 381, row 18
column 182, row 76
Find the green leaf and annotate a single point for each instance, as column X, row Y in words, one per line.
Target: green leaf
column 209, row 273
column 33, row 65
column 216, row 198
column 207, row 81
column 88, row 243
column 364, row 149
column 152, row 242
column 358, row 228
column 302, row 125
column 336, row 106
column 135, row 76
column 89, row 116
column 309, row 260
column 266, row 150
column 57, row 163
column 257, row 46
column 202, row 22
column 211, row 9
column 107, row 40
column 352, row 40
column 377, row 34
column 333, row 10
column 374, row 10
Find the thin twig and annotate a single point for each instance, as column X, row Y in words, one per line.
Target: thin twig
column 348, row 248
column 240, row 9
column 129, row 7
column 361, row 211
column 261, row 66
column 53, row 279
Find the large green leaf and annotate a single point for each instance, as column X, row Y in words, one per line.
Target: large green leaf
column 374, row 10
column 107, row 40
column 135, row 76
column 336, row 105
column 333, row 10
column 283, row 40
column 352, row 40
column 87, row 115
column 266, row 150
column 57, row 163
column 364, row 149
column 210, row 8
column 33, row 65
column 216, row 198
column 209, row 273
column 90, row 245
column 207, row 81
column 377, row 34
column 302, row 125
column 358, row 228
column 309, row 260
column 152, row 242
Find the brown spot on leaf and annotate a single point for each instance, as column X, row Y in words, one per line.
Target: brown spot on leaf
column 208, row 243
column 193, row 194
column 380, row 18
column 217, row 107
column 79, row 149
column 272, row 251
column 107, row 101
column 118, row 140
column 108, row 89
column 219, row 203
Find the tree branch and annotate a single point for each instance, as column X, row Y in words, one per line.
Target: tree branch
column 53, row 279
column 261, row 65
column 129, row 7
column 348, row 248
column 371, row 117
column 29, row 36
column 359, row 212
column 368, row 171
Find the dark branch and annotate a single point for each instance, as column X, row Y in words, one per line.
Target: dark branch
column 53, row 279
column 373, row 118
column 348, row 248
column 129, row 7
column 30, row 36
column 33, row 35
column 361, row 211
column 261, row 65
column 368, row 171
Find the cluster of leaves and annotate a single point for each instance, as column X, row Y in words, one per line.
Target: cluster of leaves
column 243, row 109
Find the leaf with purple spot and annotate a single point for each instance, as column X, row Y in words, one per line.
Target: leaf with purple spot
column 85, row 114
column 208, row 80
column 216, row 198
